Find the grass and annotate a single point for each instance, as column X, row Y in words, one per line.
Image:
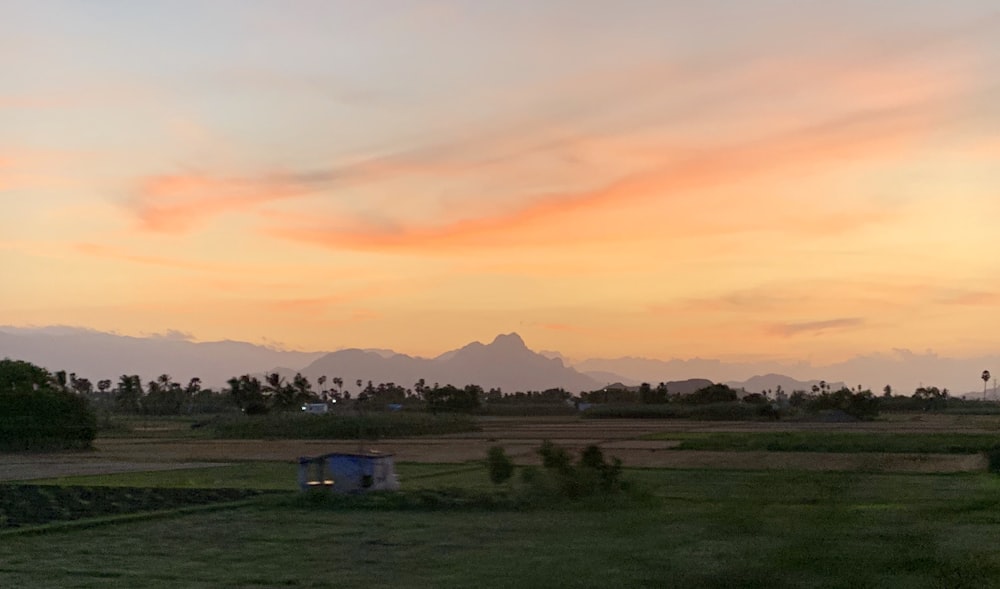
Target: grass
column 925, row 443
column 152, row 426
column 702, row 528
column 707, row 529
column 277, row 476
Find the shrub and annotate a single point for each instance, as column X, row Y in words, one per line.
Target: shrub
column 993, row 459
column 499, row 465
column 591, row 476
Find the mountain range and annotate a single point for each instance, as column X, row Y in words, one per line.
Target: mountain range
column 506, row 362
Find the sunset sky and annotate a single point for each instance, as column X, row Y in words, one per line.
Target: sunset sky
column 726, row 179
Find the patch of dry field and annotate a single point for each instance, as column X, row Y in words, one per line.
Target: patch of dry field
column 520, row 437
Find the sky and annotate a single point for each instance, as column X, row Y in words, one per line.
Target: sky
column 756, row 180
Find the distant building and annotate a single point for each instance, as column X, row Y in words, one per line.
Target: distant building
column 348, row 473
column 316, row 408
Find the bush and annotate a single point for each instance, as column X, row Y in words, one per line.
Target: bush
column 993, row 459
column 342, row 427
column 36, row 415
column 561, row 479
column 499, row 465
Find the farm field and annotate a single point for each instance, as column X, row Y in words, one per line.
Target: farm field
column 705, row 528
column 761, row 505
column 934, row 443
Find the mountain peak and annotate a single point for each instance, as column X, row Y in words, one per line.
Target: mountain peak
column 509, row 340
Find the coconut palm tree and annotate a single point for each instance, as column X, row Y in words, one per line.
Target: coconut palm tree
column 128, row 393
column 302, row 389
column 986, row 379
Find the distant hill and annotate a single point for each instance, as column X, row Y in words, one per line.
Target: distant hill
column 505, row 363
column 611, row 377
column 97, row 355
column 686, row 387
column 655, row 371
column 771, row 382
column 674, row 387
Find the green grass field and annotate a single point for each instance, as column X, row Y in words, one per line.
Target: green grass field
column 690, row 528
column 848, row 442
column 702, row 529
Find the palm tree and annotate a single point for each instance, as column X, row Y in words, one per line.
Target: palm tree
column 302, row 389
column 190, row 391
column 273, row 383
column 165, row 382
column 248, row 394
column 322, row 391
column 128, row 393
column 282, row 395
column 986, row 379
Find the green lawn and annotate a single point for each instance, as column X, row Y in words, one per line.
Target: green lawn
column 705, row 529
column 945, row 443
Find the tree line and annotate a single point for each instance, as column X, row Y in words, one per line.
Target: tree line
column 274, row 393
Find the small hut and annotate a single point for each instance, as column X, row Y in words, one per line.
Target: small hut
column 348, row 473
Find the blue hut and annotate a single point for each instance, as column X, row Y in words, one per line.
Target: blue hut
column 348, row 473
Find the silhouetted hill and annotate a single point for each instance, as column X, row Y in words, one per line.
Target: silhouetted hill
column 505, row 363
column 97, row 355
column 674, row 387
column 686, row 387
column 509, row 364
column 771, row 382
column 611, row 377
column 353, row 365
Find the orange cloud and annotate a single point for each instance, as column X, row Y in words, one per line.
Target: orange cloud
column 173, row 203
column 893, row 98
column 860, row 136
